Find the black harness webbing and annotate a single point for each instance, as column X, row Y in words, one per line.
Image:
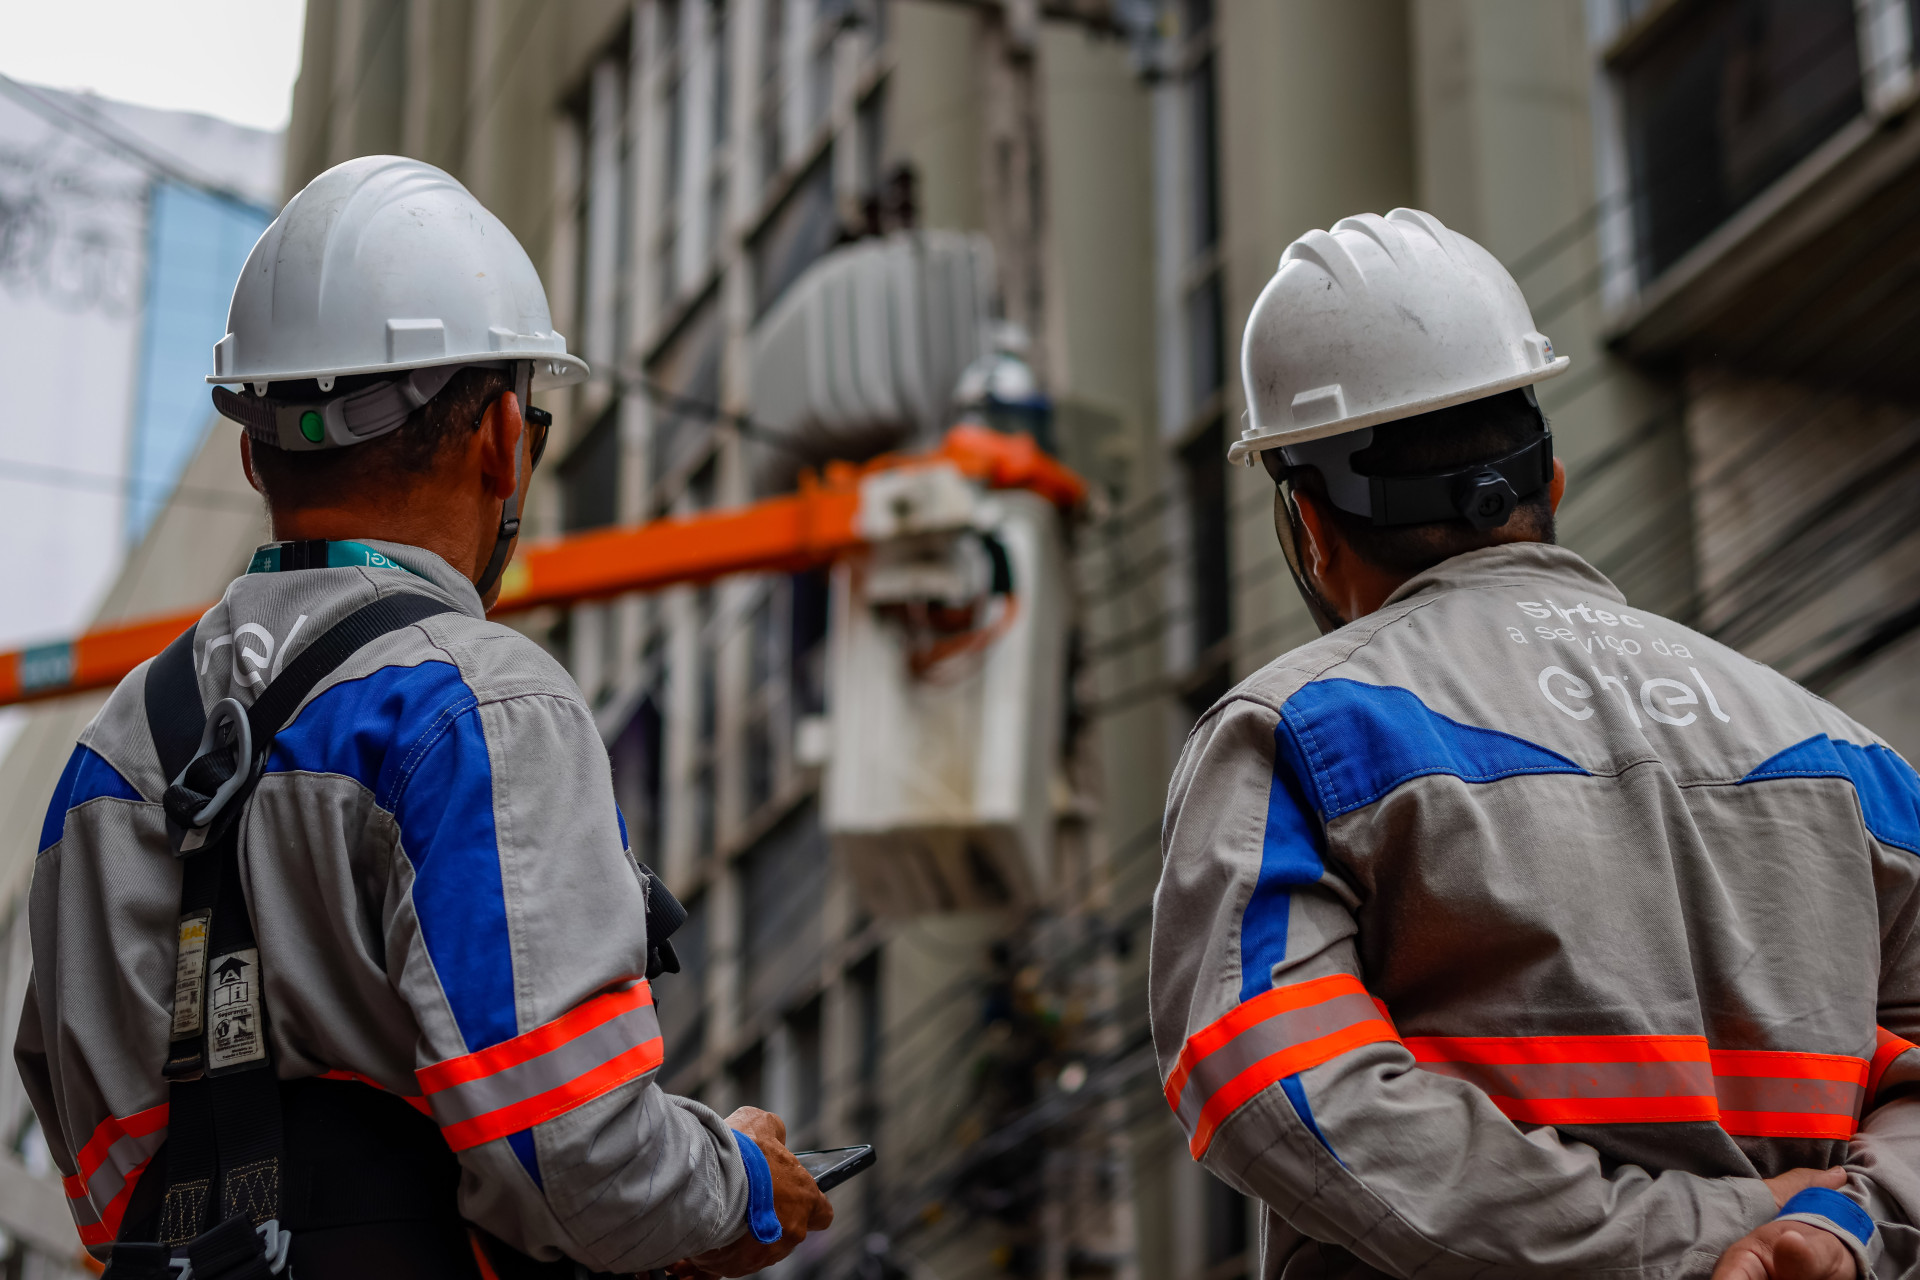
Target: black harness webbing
column 224, row 1141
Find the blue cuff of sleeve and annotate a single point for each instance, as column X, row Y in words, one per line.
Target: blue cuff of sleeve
column 761, row 1220
column 1835, row 1208
column 1819, row 1207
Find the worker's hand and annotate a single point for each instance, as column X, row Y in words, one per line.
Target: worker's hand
column 799, row 1204
column 1787, row 1251
column 1790, row 1250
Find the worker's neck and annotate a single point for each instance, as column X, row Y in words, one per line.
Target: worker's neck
column 424, row 524
column 1354, row 586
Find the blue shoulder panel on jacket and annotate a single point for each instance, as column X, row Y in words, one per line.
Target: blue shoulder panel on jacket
column 1360, row 741
column 411, row 736
column 1289, row 857
column 1887, row 786
column 523, row 1150
column 87, row 777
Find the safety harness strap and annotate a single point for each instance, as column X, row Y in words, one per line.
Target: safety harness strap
column 224, row 1140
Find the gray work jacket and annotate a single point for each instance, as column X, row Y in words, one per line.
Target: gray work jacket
column 446, row 909
column 1513, row 930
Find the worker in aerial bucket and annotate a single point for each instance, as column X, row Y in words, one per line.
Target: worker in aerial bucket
column 338, row 945
column 1509, row 928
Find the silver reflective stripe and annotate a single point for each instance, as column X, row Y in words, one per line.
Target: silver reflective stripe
column 1780, row 1093
column 122, row 1158
column 1582, row 1079
column 81, row 1207
column 1264, row 1039
column 550, row 1070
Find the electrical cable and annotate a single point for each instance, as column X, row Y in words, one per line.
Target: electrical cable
column 128, row 146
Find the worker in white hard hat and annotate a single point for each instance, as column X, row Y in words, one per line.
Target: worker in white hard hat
column 342, row 965
column 1508, row 927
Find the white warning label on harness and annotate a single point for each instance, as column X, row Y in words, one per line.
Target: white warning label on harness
column 234, row 1035
column 190, row 973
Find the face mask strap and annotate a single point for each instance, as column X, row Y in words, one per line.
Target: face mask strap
column 1286, row 526
column 510, row 509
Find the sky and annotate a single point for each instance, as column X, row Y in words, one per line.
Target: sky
column 235, row 59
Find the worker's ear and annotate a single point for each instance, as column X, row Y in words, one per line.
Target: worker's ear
column 1320, row 545
column 246, row 463
column 498, row 443
column 1557, row 487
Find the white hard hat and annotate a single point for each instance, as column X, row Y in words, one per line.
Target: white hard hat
column 1378, row 319
column 384, row 265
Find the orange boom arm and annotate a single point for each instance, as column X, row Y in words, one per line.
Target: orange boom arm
column 802, row 530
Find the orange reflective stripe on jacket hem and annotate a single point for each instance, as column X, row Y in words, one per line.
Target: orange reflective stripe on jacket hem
column 1887, row 1047
column 1654, row 1080
column 596, row 1047
column 1276, row 1034
column 1767, row 1093
column 1560, row 1080
column 110, row 1163
column 1580, row 1079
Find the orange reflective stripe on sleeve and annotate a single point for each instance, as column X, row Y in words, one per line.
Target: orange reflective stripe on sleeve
column 1276, row 1034
column 1580, row 1079
column 1770, row 1094
column 500, row 1090
column 1887, row 1047
column 111, row 1163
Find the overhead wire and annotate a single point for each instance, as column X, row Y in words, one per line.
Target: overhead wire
column 21, row 471
column 128, row 146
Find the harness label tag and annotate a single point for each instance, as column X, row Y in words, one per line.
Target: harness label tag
column 235, row 1037
column 190, row 974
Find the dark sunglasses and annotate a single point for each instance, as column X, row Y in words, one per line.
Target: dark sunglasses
column 538, row 420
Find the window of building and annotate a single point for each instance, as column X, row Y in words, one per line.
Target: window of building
column 1723, row 100
column 1203, row 470
column 808, row 595
column 603, row 217
column 748, row 1074
column 1204, row 227
column 670, row 59
column 806, row 225
column 1206, row 355
column 1201, row 306
column 719, row 30
column 765, row 710
column 771, row 125
column 638, row 754
column 680, row 436
column 719, row 125
column 806, row 1076
column 681, row 998
column 1227, row 1236
column 590, row 476
column 863, row 989
column 829, row 19
column 706, row 727
column 783, row 884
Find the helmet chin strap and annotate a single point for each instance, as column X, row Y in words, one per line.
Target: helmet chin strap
column 510, row 509
column 1286, row 526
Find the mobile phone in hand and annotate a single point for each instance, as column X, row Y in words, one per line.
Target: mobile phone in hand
column 835, row 1165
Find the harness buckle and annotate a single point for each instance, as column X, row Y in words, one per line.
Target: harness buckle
column 199, row 799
